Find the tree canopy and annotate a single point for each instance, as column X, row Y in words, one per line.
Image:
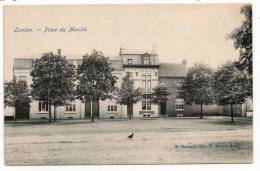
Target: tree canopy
column 16, row 92
column 197, row 85
column 95, row 78
column 53, row 79
column 242, row 37
column 128, row 95
column 160, row 94
column 230, row 85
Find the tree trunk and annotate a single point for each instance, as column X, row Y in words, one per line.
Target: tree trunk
column 129, row 110
column 85, row 108
column 201, row 113
column 55, row 113
column 49, row 110
column 232, row 114
column 15, row 113
column 165, row 110
column 91, row 113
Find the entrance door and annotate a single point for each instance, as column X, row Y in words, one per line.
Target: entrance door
column 163, row 109
column 22, row 110
column 95, row 109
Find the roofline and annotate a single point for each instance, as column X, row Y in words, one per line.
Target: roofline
column 171, row 76
column 138, row 53
column 140, row 66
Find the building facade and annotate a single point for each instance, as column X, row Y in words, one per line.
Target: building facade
column 144, row 69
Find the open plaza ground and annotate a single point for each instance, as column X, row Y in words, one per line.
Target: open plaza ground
column 155, row 141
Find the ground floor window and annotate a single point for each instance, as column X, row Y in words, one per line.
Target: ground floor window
column 146, row 102
column 43, row 106
column 71, row 107
column 179, row 104
column 112, row 108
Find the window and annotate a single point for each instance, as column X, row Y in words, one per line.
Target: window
column 146, row 83
column 22, row 78
column 136, row 73
column 43, row 106
column 71, row 107
column 112, row 108
column 129, row 61
column 146, row 102
column 155, row 74
column 147, row 60
column 143, row 83
column 131, row 76
column 179, row 104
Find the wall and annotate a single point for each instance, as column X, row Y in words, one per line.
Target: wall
column 104, row 113
column 194, row 110
column 61, row 111
column 171, row 84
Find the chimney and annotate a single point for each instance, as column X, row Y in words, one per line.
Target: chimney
column 59, row 52
column 154, row 49
column 120, row 51
column 184, row 62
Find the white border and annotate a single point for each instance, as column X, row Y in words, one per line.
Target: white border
column 200, row 167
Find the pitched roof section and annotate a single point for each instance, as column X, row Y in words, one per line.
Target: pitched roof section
column 172, row 70
column 116, row 62
column 23, row 63
column 137, row 52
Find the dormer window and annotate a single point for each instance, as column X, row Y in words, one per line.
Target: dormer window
column 129, row 61
column 147, row 60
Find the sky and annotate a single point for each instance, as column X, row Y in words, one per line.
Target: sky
column 193, row 32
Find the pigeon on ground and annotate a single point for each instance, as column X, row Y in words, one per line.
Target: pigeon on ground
column 130, row 136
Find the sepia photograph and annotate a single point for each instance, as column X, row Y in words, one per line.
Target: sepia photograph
column 128, row 84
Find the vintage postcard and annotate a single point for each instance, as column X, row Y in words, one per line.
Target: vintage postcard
column 128, row 84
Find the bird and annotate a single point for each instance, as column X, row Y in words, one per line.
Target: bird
column 130, row 136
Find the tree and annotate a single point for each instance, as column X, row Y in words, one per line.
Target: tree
column 128, row 95
column 230, row 86
column 197, row 86
column 242, row 38
column 95, row 77
column 53, row 79
column 16, row 92
column 160, row 96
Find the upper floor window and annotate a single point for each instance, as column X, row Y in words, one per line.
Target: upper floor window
column 129, row 61
column 130, row 75
column 146, row 83
column 147, row 60
column 22, row 78
column 43, row 106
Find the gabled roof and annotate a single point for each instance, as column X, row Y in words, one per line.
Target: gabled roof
column 116, row 62
column 23, row 63
column 172, row 70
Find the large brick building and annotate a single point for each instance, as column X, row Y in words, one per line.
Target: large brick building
column 144, row 69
